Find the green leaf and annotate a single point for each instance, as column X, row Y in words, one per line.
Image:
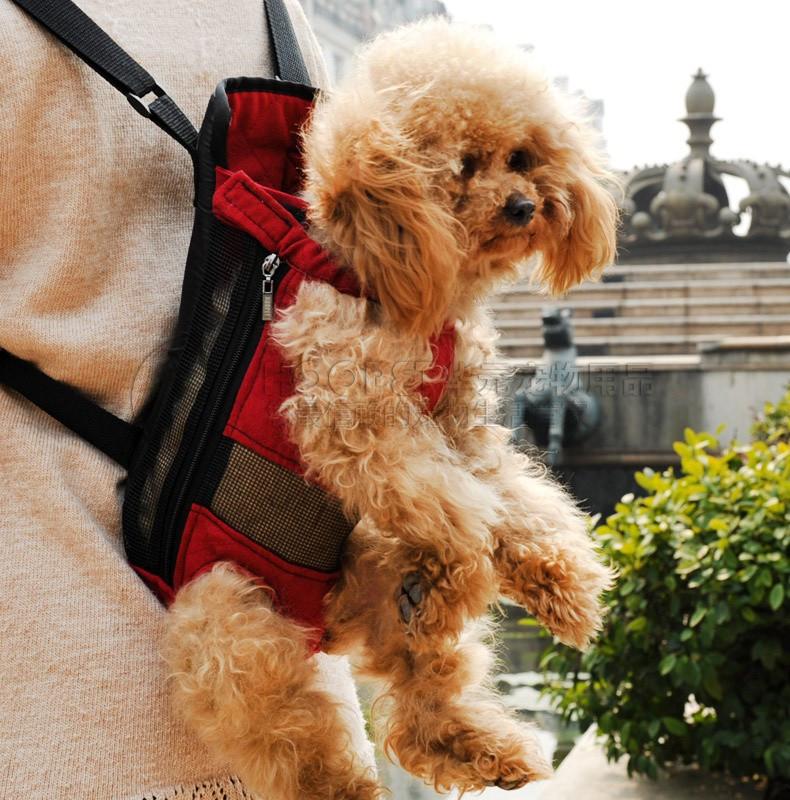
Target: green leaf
column 777, row 596
column 690, row 672
column 697, row 616
column 710, row 682
column 606, row 722
column 768, row 651
column 639, row 624
column 627, row 587
column 647, row 482
column 625, row 733
column 683, row 450
column 764, row 578
column 675, row 726
column 667, row 664
column 722, row 612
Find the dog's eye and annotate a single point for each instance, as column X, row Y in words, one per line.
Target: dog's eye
column 468, row 166
column 519, row 161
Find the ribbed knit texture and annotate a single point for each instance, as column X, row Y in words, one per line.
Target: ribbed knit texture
column 95, row 217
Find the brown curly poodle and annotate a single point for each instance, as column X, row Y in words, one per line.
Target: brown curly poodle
column 443, row 164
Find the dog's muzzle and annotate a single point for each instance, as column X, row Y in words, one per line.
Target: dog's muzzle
column 518, row 209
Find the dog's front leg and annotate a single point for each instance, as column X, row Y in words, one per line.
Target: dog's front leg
column 408, row 482
column 544, row 555
column 545, row 558
column 244, row 681
column 412, row 486
column 447, row 726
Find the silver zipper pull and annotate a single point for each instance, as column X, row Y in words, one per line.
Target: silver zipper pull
column 268, row 268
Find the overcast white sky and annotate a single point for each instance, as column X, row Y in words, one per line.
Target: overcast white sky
column 638, row 57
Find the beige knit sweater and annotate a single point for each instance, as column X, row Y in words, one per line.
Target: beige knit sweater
column 95, row 216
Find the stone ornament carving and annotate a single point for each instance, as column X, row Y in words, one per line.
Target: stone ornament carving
column 686, row 205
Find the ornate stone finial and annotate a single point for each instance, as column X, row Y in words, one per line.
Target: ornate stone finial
column 699, row 117
column 699, row 97
column 681, row 212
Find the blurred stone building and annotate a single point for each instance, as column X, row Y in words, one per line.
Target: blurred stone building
column 342, row 25
column 691, row 327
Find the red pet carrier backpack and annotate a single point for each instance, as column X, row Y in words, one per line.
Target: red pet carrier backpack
column 212, row 475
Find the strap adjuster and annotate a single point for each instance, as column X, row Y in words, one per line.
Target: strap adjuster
column 139, row 103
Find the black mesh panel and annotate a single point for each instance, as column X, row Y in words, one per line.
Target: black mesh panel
column 179, row 420
column 279, row 510
column 183, row 405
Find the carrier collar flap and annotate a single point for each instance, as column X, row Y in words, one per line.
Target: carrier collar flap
column 241, row 202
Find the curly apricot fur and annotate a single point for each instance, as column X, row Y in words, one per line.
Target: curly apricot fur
column 410, row 167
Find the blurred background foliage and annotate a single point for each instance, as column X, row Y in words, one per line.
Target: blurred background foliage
column 693, row 663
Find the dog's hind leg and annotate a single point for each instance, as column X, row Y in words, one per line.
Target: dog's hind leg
column 244, row 680
column 449, row 727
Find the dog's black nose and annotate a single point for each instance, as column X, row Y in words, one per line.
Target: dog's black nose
column 518, row 209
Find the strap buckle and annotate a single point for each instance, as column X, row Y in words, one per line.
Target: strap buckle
column 139, row 103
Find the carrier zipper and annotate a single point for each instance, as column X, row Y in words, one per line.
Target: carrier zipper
column 250, row 320
column 269, row 266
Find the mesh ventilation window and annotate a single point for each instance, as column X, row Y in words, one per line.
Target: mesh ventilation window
column 278, row 509
column 230, row 260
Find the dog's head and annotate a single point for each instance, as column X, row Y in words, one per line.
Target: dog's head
column 444, row 162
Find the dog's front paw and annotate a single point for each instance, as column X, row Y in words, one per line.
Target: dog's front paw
column 561, row 588
column 474, row 748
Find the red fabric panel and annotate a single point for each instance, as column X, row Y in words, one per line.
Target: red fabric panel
column 157, row 585
column 255, row 421
column 298, row 592
column 263, row 137
column 244, row 204
column 443, row 349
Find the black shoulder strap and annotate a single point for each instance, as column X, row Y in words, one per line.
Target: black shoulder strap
column 287, row 57
column 110, row 434
column 88, row 41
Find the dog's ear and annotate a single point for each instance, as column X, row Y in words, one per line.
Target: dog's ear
column 591, row 240
column 379, row 207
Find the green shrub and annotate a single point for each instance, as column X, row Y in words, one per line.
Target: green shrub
column 694, row 661
column 773, row 425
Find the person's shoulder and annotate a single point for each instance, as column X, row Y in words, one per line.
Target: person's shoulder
column 311, row 50
column 14, row 21
column 20, row 43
